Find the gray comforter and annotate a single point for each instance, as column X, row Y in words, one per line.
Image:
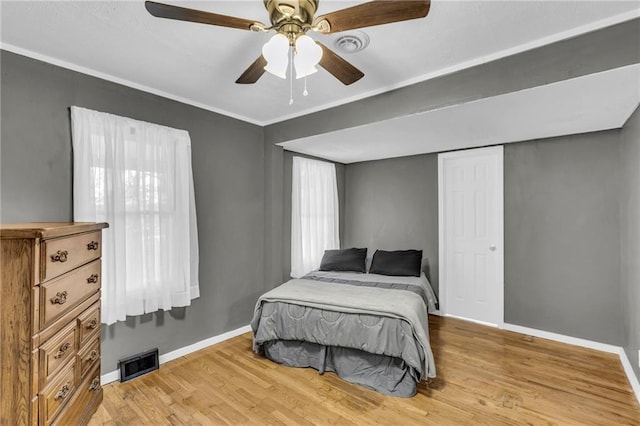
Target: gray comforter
column 387, row 321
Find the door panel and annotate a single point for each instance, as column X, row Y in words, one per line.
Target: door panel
column 471, row 230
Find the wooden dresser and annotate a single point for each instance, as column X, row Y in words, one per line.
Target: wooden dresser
column 50, row 323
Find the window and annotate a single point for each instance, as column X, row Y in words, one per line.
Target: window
column 137, row 177
column 314, row 213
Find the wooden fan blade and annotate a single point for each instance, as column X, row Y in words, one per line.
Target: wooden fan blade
column 372, row 13
column 338, row 67
column 167, row 11
column 254, row 72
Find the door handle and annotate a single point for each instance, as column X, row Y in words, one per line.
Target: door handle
column 492, row 247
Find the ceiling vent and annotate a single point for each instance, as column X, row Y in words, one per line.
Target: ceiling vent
column 352, row 42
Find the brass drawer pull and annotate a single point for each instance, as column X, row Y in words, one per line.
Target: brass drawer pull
column 63, row 392
column 60, row 256
column 92, row 324
column 93, row 355
column 95, row 384
column 92, row 279
column 63, row 349
column 93, row 245
column 60, row 299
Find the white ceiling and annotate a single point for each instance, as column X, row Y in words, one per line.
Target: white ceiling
column 198, row 64
column 595, row 102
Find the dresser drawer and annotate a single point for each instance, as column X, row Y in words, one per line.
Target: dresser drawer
column 86, row 400
column 64, row 254
column 89, row 356
column 56, row 352
column 89, row 323
column 55, row 396
column 60, row 295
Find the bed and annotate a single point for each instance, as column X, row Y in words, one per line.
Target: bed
column 369, row 328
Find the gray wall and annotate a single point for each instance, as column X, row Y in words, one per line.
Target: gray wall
column 286, row 206
column 273, row 218
column 562, row 196
column 393, row 205
column 631, row 238
column 228, row 167
column 562, row 227
column 562, row 235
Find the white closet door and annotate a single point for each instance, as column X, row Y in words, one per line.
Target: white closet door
column 471, row 234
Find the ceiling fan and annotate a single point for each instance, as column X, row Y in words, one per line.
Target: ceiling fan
column 292, row 19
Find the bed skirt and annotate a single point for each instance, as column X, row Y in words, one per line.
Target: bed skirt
column 385, row 374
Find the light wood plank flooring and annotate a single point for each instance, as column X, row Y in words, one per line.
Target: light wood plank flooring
column 485, row 377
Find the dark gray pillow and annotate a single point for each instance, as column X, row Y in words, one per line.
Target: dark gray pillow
column 402, row 263
column 352, row 259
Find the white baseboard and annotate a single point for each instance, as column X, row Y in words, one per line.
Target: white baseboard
column 115, row 375
column 590, row 344
column 487, row 324
column 631, row 375
column 604, row 347
column 112, row 376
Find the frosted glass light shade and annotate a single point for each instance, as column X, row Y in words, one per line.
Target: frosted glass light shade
column 276, row 52
column 308, row 54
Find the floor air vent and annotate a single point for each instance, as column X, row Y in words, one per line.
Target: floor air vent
column 137, row 365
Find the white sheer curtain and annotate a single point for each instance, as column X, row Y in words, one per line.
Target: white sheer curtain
column 314, row 213
column 137, row 177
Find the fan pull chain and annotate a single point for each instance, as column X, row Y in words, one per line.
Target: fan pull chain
column 305, row 93
column 291, row 76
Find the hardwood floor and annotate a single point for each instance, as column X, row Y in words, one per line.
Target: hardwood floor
column 485, row 377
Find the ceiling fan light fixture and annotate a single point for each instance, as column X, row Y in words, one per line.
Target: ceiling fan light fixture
column 308, row 55
column 276, row 53
column 292, row 19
